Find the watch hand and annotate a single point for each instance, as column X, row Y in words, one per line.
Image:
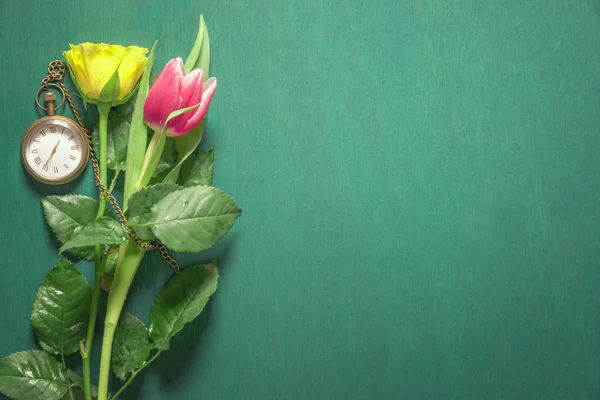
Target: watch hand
column 53, row 151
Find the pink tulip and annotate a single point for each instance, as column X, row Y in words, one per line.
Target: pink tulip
column 174, row 90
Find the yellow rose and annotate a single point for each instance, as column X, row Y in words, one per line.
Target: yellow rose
column 93, row 68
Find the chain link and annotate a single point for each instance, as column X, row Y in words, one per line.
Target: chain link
column 56, row 72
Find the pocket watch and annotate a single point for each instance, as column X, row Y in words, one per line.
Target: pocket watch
column 54, row 149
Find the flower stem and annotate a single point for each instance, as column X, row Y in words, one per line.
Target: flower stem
column 89, row 340
column 113, row 183
column 134, row 374
column 62, row 357
column 124, row 274
column 151, row 158
column 103, row 110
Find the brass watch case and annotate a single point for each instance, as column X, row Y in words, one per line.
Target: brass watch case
column 60, row 121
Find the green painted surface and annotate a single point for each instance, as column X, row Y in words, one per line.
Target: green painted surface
column 419, row 185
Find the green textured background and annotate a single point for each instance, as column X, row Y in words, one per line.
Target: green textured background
column 420, row 190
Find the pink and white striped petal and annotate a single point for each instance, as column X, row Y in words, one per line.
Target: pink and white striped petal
column 165, row 95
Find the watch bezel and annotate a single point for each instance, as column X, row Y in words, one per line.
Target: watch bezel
column 73, row 174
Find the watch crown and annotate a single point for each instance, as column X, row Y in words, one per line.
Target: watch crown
column 49, row 96
column 50, row 99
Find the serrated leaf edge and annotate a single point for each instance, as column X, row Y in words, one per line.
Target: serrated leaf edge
column 206, row 186
column 61, row 370
column 62, row 258
column 58, row 197
column 213, row 270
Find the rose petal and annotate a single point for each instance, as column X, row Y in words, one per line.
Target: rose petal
column 75, row 61
column 131, row 68
column 100, row 62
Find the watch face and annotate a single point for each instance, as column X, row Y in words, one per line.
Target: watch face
column 54, row 151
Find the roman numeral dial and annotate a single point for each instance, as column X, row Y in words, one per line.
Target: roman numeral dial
column 54, row 150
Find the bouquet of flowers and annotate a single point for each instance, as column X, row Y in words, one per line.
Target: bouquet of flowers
column 168, row 202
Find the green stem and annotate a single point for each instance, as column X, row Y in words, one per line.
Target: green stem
column 103, row 110
column 62, row 356
column 113, row 183
column 124, row 274
column 151, row 158
column 71, row 392
column 89, row 340
column 134, row 374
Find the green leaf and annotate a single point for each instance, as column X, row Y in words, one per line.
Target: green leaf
column 153, row 156
column 200, row 54
column 144, row 199
column 118, row 134
column 193, row 219
column 199, row 58
column 181, row 300
column 32, row 375
column 60, row 309
column 131, row 347
column 138, row 134
column 77, row 381
column 186, row 144
column 104, row 230
column 202, row 170
column 112, row 89
column 126, row 109
column 156, row 147
column 66, row 214
column 141, row 203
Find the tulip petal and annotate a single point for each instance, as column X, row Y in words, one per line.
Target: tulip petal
column 191, row 94
column 164, row 95
column 208, row 91
column 192, row 88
